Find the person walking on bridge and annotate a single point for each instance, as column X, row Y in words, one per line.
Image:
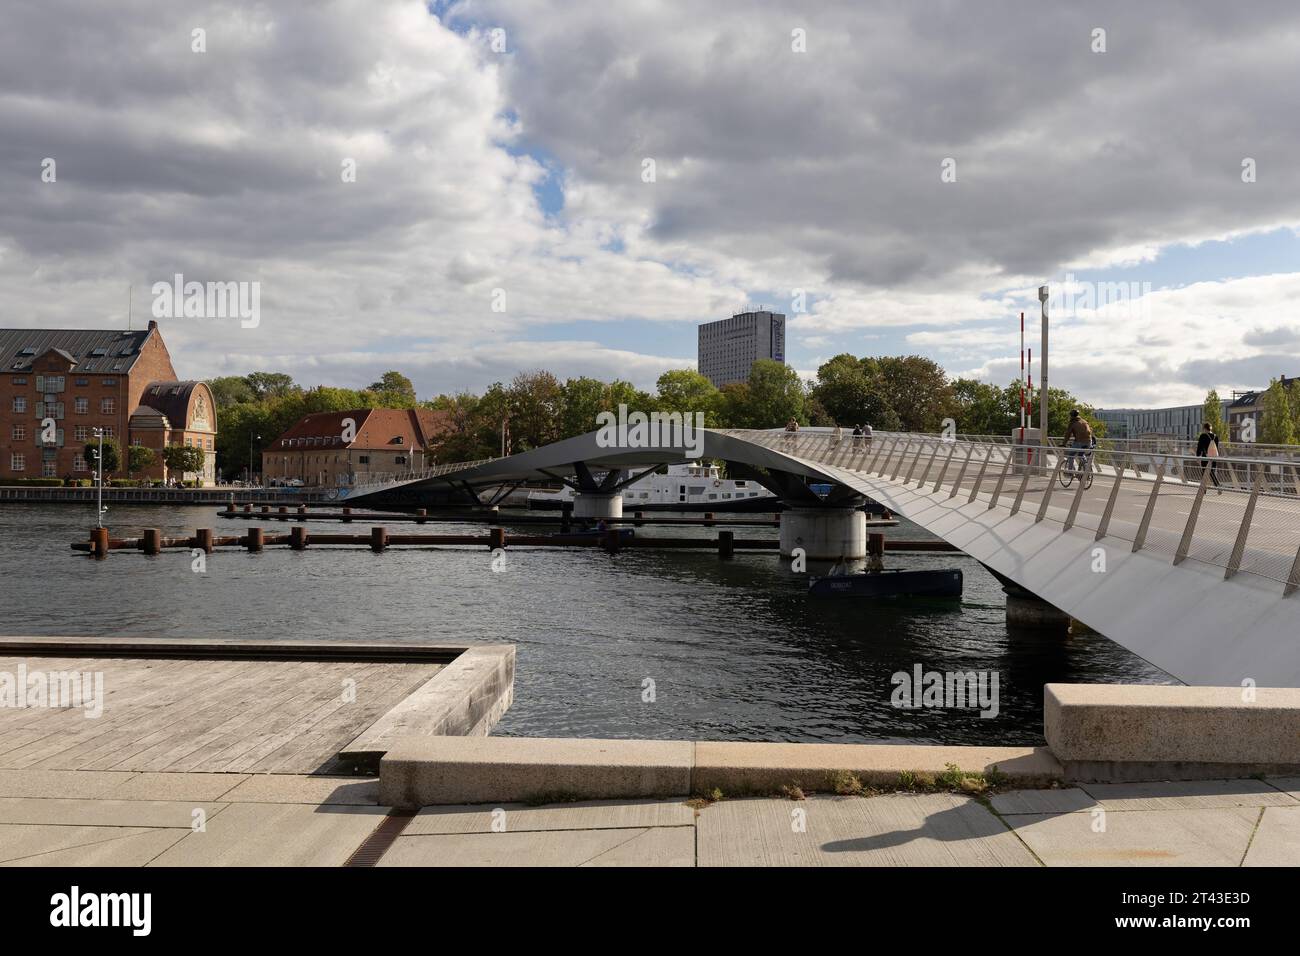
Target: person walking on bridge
column 1207, row 449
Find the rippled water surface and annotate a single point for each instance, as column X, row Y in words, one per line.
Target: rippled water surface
column 735, row 649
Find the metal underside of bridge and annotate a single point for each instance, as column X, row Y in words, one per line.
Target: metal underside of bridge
column 1151, row 554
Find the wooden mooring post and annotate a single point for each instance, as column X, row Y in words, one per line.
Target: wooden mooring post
column 151, row 541
column 496, row 538
column 203, row 539
column 298, row 538
column 726, row 544
column 378, row 539
column 254, row 539
column 99, row 542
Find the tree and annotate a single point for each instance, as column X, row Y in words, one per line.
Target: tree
column 776, row 395
column 536, row 402
column 736, row 406
column 1212, row 412
column 231, row 390
column 139, row 458
column 1059, row 405
column 183, row 458
column 112, row 456
column 850, row 396
column 1276, row 427
column 916, row 388
column 686, row 391
column 985, row 409
column 393, row 390
column 270, row 384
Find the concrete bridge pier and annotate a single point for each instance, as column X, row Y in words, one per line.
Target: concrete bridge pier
column 824, row 534
column 1026, row 609
column 597, row 504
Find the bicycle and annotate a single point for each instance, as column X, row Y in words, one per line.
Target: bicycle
column 1077, row 465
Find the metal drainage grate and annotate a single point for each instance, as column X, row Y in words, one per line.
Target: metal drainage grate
column 381, row 838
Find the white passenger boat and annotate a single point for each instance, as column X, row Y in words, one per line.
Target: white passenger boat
column 688, row 487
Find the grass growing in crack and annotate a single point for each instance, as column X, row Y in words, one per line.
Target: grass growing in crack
column 551, row 796
column 845, row 783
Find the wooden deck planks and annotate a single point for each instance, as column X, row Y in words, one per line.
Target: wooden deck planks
column 210, row 715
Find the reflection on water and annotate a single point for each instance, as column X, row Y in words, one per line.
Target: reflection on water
column 734, row 649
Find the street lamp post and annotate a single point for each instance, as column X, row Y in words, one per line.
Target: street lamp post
column 1042, row 365
column 251, row 438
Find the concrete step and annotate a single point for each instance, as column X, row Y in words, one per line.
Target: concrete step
column 427, row 771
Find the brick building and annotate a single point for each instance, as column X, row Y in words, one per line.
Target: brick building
column 84, row 379
column 384, row 442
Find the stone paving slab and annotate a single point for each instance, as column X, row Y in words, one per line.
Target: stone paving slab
column 295, row 788
column 1188, row 795
column 518, row 818
column 263, row 834
column 61, row 783
column 939, row 829
column 1289, row 785
column 176, row 786
column 642, row 846
column 48, row 845
column 1068, row 800
column 103, row 813
column 1277, row 838
column 1205, row 837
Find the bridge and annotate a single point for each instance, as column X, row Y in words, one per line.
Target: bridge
column 1198, row 579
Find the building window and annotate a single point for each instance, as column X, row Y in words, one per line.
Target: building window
column 49, row 469
column 20, row 403
column 82, row 432
column 106, row 405
column 20, row 380
column 82, row 382
column 79, row 463
column 81, row 405
column 110, row 382
column 20, row 433
column 17, row 462
column 363, row 459
column 108, row 431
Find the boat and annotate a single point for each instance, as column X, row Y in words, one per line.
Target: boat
column 692, row 486
column 938, row 582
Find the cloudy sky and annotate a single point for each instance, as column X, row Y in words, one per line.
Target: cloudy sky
column 895, row 176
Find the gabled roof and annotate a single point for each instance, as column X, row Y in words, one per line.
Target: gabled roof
column 171, row 399
column 376, row 428
column 93, row 350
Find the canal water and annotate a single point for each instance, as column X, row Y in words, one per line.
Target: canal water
column 648, row 644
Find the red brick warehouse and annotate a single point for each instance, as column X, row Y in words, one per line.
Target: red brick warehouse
column 84, row 379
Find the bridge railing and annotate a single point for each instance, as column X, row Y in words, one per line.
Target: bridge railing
column 379, row 481
column 1237, row 513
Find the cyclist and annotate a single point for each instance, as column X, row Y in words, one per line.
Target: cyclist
column 1078, row 435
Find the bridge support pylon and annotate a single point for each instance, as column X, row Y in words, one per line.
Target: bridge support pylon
column 824, row 534
column 595, row 504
